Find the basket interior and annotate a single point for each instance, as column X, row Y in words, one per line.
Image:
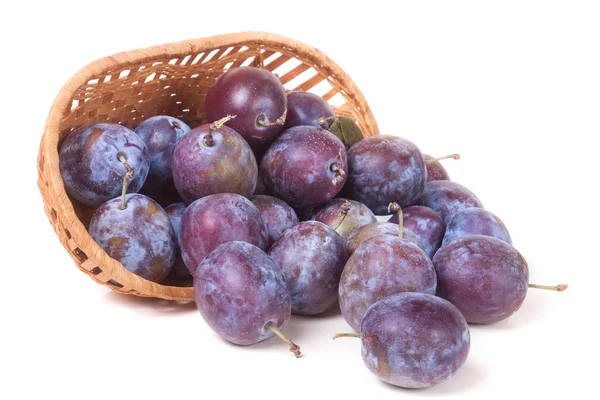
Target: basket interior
column 138, row 89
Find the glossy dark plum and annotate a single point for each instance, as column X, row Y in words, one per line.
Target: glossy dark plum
column 217, row 219
column 161, row 134
column 256, row 97
column 385, row 169
column 305, row 167
column 212, row 159
column 312, row 257
column 427, row 224
column 448, row 197
column 276, row 213
column 90, row 167
column 141, row 236
column 414, row 340
column 363, row 233
column 239, row 290
column 485, row 277
column 380, row 267
column 179, row 272
column 476, row 221
column 435, row 170
column 344, row 220
column 305, row 108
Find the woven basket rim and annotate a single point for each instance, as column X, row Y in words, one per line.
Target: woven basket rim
column 62, row 106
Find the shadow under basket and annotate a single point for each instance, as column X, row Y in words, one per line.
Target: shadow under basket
column 171, row 79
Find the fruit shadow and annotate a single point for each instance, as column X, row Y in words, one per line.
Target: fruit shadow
column 467, row 378
column 148, row 305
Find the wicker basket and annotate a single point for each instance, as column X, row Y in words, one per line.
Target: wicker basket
column 171, row 79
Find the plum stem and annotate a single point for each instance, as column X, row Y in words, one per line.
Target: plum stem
column 351, row 335
column 294, row 348
column 323, row 121
column 176, row 124
column 208, row 140
column 128, row 175
column 339, row 173
column 395, row 207
column 345, row 208
column 262, row 120
column 455, row 156
column 557, row 288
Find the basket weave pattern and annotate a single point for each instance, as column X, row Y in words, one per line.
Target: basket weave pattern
column 169, row 80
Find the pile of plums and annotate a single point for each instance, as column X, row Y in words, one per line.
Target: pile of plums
column 270, row 210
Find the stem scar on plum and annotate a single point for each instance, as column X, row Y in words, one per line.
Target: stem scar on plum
column 208, row 140
column 128, row 176
column 339, row 173
column 261, row 120
column 294, row 348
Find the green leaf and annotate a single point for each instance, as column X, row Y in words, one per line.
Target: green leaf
column 347, row 131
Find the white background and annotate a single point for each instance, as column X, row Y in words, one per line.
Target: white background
column 514, row 86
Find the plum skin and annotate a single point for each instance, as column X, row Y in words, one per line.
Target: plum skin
column 476, row 221
column 312, row 257
column 220, row 163
column 250, row 94
column 484, row 277
column 276, row 213
column 427, row 225
column 414, row 340
column 435, row 170
column 175, row 212
column 447, row 198
column 357, row 216
column 161, row 134
column 300, row 166
column 380, row 267
column 216, row 219
column 239, row 290
column 90, row 167
column 385, row 169
column 366, row 232
column 305, row 108
column 141, row 236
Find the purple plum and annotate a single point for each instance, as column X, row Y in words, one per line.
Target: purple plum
column 385, row 169
column 447, row 198
column 305, row 167
column 344, row 216
column 427, row 224
column 312, row 257
column 217, row 219
column 485, row 277
column 363, row 233
column 276, row 213
column 305, row 108
column 94, row 159
column 414, row 340
column 380, row 267
column 476, row 221
column 140, row 236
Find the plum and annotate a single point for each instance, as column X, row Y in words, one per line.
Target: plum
column 447, row 198
column 213, row 158
column 241, row 293
column 383, row 169
column 312, row 257
column 161, row 134
column 94, row 159
column 435, row 169
column 305, row 167
column 140, row 236
column 179, row 273
column 276, row 213
column 305, row 108
column 427, row 225
column 380, row 267
column 216, row 219
column 476, row 221
column 256, row 97
column 363, row 233
column 344, row 216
